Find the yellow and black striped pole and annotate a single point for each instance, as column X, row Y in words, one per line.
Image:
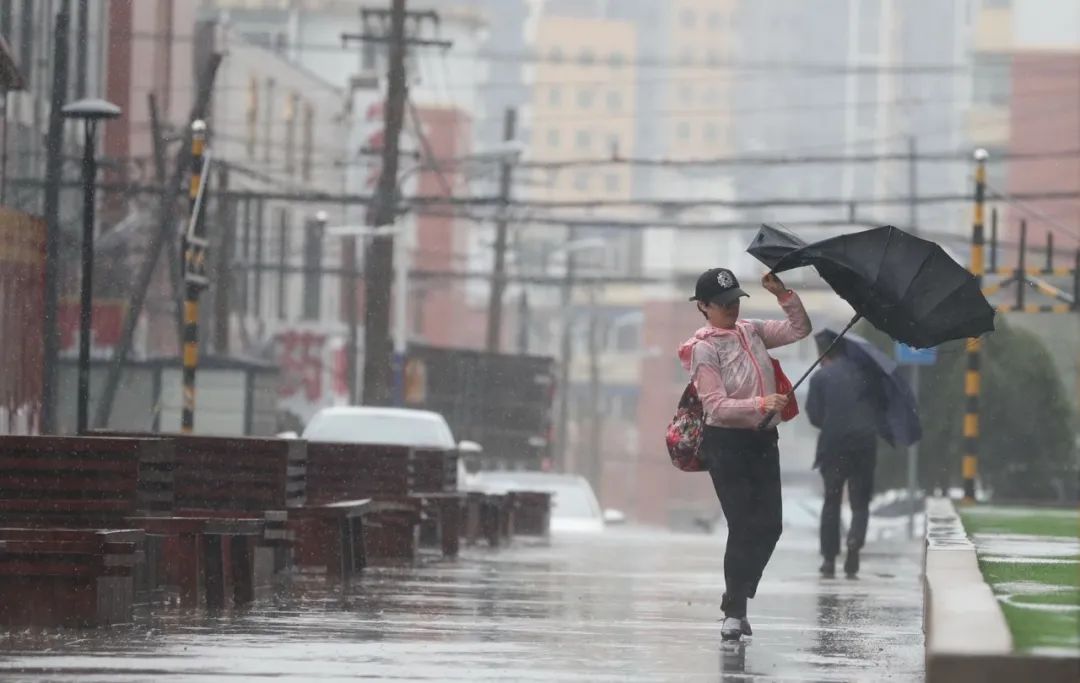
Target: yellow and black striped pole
column 194, row 274
column 972, row 378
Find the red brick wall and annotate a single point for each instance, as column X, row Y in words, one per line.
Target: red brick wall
column 1045, row 116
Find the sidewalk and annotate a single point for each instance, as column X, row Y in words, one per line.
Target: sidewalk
column 623, row 605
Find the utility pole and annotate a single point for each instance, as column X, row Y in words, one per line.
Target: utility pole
column 973, row 376
column 162, row 238
column 195, row 279
column 498, row 277
column 82, row 43
column 348, row 256
column 379, row 254
column 523, row 322
column 53, row 178
column 565, row 351
column 595, row 467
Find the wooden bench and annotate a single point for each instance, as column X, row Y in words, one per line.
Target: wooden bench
column 406, row 486
column 531, row 513
column 67, row 577
column 83, row 483
column 489, row 516
column 239, row 491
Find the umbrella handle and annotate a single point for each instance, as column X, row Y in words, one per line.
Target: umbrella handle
column 768, row 418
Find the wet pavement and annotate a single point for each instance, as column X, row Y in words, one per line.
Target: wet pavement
column 625, row 605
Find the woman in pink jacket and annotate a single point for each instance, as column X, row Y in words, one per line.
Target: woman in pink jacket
column 730, row 365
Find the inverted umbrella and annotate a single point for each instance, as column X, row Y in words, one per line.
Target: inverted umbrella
column 899, row 420
column 905, row 286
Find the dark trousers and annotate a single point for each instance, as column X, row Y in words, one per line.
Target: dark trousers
column 856, row 468
column 745, row 469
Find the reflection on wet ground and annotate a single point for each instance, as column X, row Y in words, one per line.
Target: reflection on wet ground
column 628, row 605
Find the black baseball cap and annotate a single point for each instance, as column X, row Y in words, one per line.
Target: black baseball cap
column 718, row 286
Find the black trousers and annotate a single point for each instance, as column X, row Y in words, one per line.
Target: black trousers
column 745, row 469
column 856, row 468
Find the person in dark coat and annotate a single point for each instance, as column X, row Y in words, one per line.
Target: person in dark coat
column 845, row 403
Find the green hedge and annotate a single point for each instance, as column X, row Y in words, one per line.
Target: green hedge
column 1027, row 448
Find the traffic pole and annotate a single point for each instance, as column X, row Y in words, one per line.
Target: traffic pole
column 973, row 378
column 194, row 275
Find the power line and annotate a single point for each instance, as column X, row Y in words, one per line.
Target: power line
column 532, row 57
column 789, row 160
column 1015, row 202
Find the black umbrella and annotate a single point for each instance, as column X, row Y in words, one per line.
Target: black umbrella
column 899, row 420
column 905, row 286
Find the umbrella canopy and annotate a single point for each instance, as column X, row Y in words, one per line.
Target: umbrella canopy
column 905, row 286
column 899, row 420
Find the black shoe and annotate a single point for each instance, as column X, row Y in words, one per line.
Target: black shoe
column 731, row 629
column 745, row 625
column 851, row 563
column 828, row 569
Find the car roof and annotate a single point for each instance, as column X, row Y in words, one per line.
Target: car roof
column 376, row 411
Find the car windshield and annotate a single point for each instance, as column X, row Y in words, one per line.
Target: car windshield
column 395, row 430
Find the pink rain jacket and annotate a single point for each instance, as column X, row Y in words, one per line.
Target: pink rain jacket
column 732, row 369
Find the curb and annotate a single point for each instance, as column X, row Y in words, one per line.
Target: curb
column 967, row 638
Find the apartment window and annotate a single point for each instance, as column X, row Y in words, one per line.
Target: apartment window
column 268, row 120
column 611, row 182
column 252, row 116
column 556, row 55
column 992, row 80
column 555, row 96
column 613, row 144
column 688, row 18
column 313, row 256
column 617, row 60
column 712, row 132
column 997, row 4
column 583, row 140
column 686, row 93
column 711, row 96
column 714, row 58
column 614, row 100
column 283, row 251
column 585, row 98
column 581, row 181
column 683, row 130
column 715, row 20
column 587, row 57
column 292, row 103
column 308, row 153
column 686, row 58
column 553, row 137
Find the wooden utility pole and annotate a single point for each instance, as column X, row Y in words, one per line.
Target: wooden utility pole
column 53, row 178
column 379, row 254
column 498, row 276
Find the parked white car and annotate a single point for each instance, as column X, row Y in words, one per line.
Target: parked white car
column 387, row 426
column 574, row 507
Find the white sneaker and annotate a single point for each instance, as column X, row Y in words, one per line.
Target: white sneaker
column 731, row 629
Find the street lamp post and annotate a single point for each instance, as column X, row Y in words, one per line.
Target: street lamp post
column 90, row 111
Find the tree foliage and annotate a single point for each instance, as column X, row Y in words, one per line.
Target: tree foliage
column 1028, row 442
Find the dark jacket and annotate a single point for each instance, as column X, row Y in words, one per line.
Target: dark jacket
column 845, row 403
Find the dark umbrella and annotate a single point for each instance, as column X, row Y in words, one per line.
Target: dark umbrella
column 899, row 420
column 905, row 286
